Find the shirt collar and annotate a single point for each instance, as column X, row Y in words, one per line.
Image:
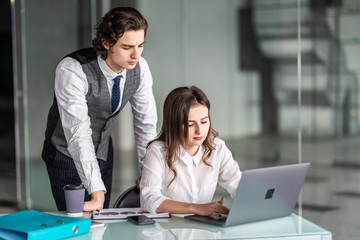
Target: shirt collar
column 188, row 159
column 108, row 73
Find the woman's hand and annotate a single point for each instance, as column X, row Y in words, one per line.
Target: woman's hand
column 212, row 208
column 96, row 202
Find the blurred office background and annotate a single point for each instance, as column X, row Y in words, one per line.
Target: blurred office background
column 282, row 77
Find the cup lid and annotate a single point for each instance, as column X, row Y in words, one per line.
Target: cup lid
column 73, row 187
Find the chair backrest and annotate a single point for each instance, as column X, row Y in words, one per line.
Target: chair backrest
column 129, row 199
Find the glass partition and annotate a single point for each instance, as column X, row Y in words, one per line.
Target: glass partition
column 282, row 78
column 331, row 117
column 49, row 30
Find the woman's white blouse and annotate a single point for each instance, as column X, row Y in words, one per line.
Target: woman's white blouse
column 195, row 181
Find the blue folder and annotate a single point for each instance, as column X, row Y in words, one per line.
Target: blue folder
column 38, row 225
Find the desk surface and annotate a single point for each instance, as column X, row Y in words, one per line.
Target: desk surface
column 176, row 227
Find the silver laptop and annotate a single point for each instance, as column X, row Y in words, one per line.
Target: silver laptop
column 262, row 194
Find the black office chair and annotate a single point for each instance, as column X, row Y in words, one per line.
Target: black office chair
column 129, row 199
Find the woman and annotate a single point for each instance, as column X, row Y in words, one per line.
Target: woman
column 183, row 165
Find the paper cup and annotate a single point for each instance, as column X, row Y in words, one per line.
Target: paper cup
column 74, row 198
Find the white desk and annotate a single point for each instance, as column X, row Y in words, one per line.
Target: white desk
column 291, row 227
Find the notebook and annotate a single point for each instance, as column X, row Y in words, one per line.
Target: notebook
column 262, row 194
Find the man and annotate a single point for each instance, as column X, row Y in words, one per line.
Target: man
column 92, row 86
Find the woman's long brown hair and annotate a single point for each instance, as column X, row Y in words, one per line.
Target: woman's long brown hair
column 174, row 130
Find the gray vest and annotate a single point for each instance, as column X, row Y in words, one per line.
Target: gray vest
column 98, row 102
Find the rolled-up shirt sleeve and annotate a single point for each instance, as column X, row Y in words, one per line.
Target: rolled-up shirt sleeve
column 70, row 91
column 152, row 180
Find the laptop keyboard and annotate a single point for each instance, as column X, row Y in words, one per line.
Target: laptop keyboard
column 222, row 217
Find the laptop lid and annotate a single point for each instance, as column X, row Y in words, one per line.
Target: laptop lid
column 264, row 193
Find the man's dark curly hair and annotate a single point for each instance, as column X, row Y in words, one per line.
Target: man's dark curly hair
column 112, row 26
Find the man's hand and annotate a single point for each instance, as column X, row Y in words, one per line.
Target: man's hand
column 138, row 182
column 96, row 202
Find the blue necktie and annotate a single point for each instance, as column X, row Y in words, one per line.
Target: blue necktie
column 115, row 98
